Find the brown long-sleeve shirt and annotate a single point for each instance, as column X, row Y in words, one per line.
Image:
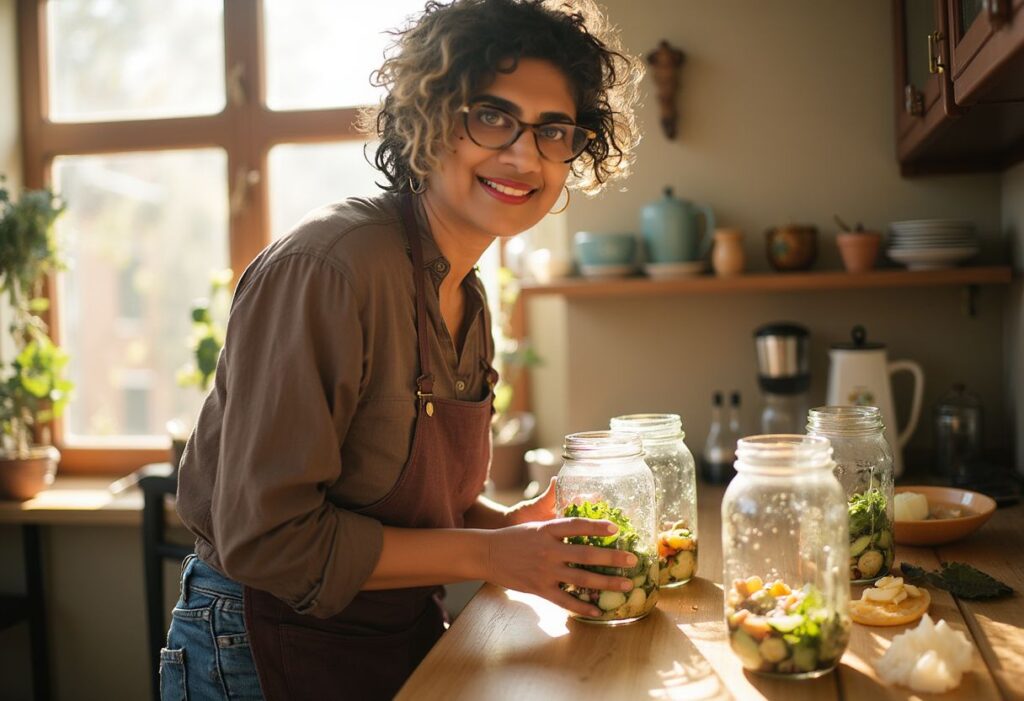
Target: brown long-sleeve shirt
column 314, row 404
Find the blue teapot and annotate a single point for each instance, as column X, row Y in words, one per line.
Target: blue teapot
column 671, row 231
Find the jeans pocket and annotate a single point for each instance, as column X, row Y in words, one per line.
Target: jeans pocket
column 234, row 655
column 173, row 686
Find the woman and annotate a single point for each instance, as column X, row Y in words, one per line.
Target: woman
column 333, row 480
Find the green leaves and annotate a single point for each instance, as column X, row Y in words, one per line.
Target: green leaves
column 626, row 538
column 207, row 335
column 958, row 579
column 867, row 513
column 33, row 388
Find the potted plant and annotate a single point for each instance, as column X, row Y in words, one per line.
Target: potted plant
column 858, row 248
column 33, row 386
column 206, row 342
column 512, row 431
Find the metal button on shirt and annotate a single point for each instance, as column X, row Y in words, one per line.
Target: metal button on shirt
column 460, row 386
column 441, row 267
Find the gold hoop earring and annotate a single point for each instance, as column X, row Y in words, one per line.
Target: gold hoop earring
column 568, row 196
column 412, row 186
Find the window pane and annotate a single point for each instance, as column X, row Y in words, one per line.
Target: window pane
column 135, row 59
column 143, row 232
column 306, row 176
column 320, row 53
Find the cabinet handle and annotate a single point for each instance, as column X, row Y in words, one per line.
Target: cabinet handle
column 935, row 64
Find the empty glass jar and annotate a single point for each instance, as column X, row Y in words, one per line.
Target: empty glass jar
column 675, row 485
column 604, row 476
column 784, row 550
column 865, row 469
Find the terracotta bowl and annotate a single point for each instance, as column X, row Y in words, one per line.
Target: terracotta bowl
column 938, row 531
column 23, row 478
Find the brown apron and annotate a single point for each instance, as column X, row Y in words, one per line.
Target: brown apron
column 367, row 651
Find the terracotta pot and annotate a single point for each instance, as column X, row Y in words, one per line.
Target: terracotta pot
column 792, row 247
column 23, row 478
column 859, row 249
column 727, row 256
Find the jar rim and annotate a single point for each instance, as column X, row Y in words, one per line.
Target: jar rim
column 783, row 454
column 602, row 444
column 650, row 426
column 845, row 420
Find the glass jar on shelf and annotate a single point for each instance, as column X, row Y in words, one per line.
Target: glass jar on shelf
column 785, row 552
column 604, row 477
column 864, row 468
column 675, row 485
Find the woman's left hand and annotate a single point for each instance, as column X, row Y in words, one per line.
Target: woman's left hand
column 540, row 508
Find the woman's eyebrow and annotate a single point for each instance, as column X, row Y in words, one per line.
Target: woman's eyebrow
column 514, row 109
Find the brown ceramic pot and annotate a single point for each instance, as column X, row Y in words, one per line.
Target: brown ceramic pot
column 23, row 478
column 727, row 255
column 859, row 249
column 792, row 247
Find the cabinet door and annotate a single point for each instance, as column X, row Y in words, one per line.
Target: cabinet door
column 983, row 35
column 924, row 92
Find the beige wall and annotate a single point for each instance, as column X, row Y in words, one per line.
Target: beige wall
column 1013, row 227
column 786, row 115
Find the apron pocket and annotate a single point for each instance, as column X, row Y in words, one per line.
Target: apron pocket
column 172, row 675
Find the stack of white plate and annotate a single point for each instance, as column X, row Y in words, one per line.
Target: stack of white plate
column 932, row 244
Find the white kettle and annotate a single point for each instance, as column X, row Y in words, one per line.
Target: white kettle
column 859, row 374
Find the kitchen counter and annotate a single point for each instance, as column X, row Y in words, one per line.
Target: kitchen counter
column 508, row 645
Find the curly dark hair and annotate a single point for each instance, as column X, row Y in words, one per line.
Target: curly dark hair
column 435, row 65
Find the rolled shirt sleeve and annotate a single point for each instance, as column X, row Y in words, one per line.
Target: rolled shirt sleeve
column 291, row 364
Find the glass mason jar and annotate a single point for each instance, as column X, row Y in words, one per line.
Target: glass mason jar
column 864, row 467
column 785, row 550
column 675, row 487
column 604, row 476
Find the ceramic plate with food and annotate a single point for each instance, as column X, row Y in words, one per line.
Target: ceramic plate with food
column 937, row 515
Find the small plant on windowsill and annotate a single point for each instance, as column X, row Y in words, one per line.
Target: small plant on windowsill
column 205, row 344
column 33, row 386
column 512, row 431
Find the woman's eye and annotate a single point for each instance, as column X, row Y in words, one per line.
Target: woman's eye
column 492, row 118
column 553, row 132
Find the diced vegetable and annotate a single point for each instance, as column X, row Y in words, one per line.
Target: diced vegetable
column 870, row 563
column 781, row 631
column 858, row 546
column 677, row 552
column 611, row 600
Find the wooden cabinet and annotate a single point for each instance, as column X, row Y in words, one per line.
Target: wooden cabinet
column 959, row 84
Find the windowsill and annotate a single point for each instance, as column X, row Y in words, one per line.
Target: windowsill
column 81, row 501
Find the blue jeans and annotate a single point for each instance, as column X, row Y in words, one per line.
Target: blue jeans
column 207, row 657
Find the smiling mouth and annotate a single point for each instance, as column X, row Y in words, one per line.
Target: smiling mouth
column 510, row 192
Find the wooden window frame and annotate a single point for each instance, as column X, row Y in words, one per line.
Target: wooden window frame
column 246, row 129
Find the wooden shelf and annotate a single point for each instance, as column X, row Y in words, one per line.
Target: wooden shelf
column 771, row 282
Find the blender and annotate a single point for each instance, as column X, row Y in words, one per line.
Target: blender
column 783, row 374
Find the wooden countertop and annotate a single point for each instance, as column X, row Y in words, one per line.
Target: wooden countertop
column 507, row 645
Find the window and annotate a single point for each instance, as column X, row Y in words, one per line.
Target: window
column 180, row 149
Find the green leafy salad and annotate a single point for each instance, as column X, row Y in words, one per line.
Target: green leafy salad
column 871, row 542
column 616, row 605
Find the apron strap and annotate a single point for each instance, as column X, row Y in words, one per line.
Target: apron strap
column 425, row 382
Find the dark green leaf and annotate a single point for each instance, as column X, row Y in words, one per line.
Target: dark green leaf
column 958, row 579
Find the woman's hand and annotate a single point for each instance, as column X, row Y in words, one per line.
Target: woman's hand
column 532, row 558
column 540, row 508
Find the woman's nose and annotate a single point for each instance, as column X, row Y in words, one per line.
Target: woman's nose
column 522, row 153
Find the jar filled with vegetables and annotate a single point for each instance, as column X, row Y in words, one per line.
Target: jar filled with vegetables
column 785, row 552
column 604, row 477
column 865, row 469
column 675, row 485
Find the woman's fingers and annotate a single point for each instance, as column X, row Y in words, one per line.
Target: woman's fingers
column 570, row 602
column 592, row 580
column 601, row 557
column 568, row 527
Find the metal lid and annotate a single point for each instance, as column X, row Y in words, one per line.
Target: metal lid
column 781, row 328
column 860, row 342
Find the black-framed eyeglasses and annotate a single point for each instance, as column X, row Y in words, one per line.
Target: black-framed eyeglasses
column 494, row 128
